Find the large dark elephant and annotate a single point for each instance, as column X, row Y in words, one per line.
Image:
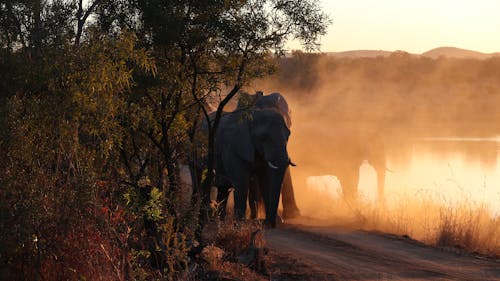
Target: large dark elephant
column 277, row 102
column 252, row 142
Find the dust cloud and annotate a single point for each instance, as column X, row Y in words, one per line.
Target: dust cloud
column 342, row 106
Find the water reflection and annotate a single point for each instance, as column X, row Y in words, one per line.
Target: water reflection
column 451, row 172
column 448, row 170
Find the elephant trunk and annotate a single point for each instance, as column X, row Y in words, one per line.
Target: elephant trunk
column 277, row 162
column 273, row 194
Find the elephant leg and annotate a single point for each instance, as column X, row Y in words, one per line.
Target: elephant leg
column 222, row 197
column 241, row 184
column 290, row 209
column 254, row 196
column 377, row 158
column 263, row 201
column 349, row 181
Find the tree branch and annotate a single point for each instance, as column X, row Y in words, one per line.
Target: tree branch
column 82, row 18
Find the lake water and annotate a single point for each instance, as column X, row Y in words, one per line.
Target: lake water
column 451, row 171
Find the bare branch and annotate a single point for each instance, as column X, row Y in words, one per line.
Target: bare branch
column 82, row 18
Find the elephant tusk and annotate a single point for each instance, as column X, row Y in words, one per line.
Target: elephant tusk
column 271, row 165
column 291, row 163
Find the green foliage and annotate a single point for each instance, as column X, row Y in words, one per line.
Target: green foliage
column 100, row 105
column 153, row 208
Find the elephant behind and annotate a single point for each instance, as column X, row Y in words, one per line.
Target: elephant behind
column 339, row 151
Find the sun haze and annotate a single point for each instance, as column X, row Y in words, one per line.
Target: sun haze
column 412, row 26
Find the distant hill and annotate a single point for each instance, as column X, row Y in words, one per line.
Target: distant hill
column 360, row 54
column 452, row 52
column 449, row 52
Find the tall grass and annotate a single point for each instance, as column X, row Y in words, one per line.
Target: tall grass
column 473, row 229
column 468, row 226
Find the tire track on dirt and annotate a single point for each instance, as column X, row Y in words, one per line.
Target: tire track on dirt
column 360, row 255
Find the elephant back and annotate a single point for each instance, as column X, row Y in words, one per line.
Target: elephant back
column 277, row 102
column 248, row 101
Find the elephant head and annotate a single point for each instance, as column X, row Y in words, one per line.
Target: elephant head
column 277, row 102
column 246, row 140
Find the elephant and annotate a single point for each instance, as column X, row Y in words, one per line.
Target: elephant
column 250, row 143
column 341, row 150
column 277, row 102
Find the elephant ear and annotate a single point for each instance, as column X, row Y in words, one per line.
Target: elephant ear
column 242, row 139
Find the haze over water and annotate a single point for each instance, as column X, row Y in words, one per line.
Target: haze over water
column 447, row 172
column 438, row 119
column 451, row 171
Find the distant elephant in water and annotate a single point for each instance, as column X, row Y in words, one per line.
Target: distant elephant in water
column 339, row 151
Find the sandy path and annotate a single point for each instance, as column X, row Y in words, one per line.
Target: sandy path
column 360, row 255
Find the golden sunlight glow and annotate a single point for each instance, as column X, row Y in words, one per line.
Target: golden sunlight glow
column 451, row 178
column 412, row 26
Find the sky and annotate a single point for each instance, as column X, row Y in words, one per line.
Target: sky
column 412, row 26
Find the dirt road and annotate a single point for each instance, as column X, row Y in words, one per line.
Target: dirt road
column 340, row 254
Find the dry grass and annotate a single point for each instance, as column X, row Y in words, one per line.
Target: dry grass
column 468, row 227
column 233, row 238
column 471, row 227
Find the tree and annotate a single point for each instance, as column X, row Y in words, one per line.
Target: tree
column 102, row 101
column 205, row 52
column 216, row 47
